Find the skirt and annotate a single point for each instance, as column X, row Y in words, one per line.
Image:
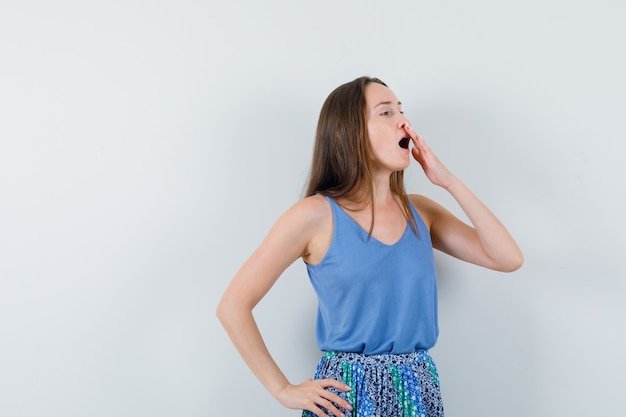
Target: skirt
column 385, row 385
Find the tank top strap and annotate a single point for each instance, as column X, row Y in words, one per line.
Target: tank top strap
column 341, row 219
column 339, row 213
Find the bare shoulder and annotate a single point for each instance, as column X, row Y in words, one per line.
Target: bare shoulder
column 427, row 208
column 296, row 229
column 316, row 219
column 306, row 218
column 310, row 211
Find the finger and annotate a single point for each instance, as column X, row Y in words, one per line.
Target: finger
column 416, row 153
column 330, row 407
column 335, row 384
column 423, row 145
column 419, row 141
column 409, row 129
column 412, row 134
column 426, row 154
column 334, row 398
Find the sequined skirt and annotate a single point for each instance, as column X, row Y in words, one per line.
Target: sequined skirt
column 386, row 385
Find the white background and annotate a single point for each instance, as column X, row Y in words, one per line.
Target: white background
column 147, row 147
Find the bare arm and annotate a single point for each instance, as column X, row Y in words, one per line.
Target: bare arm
column 287, row 240
column 487, row 243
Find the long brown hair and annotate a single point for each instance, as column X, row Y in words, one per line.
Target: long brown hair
column 342, row 157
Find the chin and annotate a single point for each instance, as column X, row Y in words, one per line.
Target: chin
column 400, row 168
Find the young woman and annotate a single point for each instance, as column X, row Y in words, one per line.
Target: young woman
column 368, row 248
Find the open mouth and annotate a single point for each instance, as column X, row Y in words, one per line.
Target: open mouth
column 404, row 143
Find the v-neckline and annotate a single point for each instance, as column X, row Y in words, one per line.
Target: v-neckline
column 367, row 232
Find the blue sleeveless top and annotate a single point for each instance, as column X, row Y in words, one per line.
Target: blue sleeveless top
column 372, row 297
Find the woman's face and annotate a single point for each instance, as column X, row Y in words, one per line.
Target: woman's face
column 386, row 127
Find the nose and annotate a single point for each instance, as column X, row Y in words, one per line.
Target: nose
column 403, row 122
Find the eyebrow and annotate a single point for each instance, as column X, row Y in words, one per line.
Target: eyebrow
column 387, row 103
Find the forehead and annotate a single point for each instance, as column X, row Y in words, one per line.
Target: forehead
column 377, row 93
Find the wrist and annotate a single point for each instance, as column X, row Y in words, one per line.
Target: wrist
column 453, row 184
column 279, row 390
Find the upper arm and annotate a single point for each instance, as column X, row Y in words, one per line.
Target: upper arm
column 451, row 235
column 286, row 241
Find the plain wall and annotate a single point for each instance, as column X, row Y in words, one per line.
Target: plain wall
column 147, row 147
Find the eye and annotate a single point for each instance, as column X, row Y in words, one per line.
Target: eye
column 386, row 113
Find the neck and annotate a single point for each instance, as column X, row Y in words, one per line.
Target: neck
column 382, row 189
column 359, row 199
column 381, row 195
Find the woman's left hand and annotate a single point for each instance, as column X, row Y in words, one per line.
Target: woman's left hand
column 435, row 171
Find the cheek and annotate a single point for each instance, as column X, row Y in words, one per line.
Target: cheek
column 375, row 142
column 375, row 132
column 371, row 131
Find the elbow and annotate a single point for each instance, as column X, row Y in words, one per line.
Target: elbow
column 230, row 311
column 222, row 312
column 512, row 264
column 219, row 311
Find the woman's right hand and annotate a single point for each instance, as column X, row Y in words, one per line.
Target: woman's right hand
column 312, row 393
